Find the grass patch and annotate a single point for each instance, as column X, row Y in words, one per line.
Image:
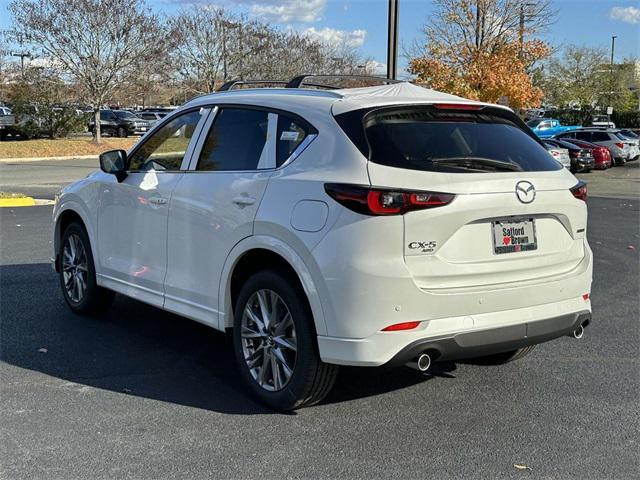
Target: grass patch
column 62, row 147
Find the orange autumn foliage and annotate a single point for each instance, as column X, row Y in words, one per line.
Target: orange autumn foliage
column 483, row 74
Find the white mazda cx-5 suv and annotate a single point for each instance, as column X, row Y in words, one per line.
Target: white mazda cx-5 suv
column 369, row 226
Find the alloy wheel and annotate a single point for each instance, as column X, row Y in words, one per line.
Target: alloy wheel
column 268, row 339
column 74, row 268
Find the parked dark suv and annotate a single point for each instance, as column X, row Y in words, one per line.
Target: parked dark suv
column 120, row 123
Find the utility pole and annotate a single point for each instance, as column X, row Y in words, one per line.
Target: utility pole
column 392, row 40
column 523, row 19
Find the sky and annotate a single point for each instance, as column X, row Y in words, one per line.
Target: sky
column 363, row 23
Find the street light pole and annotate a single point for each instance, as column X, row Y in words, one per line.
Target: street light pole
column 392, row 40
column 613, row 46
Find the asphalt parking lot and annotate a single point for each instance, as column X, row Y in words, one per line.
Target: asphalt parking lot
column 139, row 393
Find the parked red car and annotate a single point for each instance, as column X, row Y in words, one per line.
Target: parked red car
column 601, row 155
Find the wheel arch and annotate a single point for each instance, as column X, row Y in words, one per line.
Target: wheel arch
column 253, row 254
column 65, row 215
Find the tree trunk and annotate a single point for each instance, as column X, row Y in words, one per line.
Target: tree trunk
column 97, row 134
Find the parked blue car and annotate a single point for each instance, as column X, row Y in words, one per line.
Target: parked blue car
column 548, row 127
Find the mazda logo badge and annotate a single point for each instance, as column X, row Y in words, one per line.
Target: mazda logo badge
column 525, row 191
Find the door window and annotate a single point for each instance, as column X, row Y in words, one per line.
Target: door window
column 601, row 137
column 166, row 148
column 586, row 136
column 236, row 142
column 107, row 115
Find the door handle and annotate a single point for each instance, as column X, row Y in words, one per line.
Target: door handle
column 244, row 200
column 158, row 200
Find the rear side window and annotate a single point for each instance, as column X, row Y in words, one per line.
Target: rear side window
column 600, row 137
column 289, row 134
column 423, row 138
column 586, row 136
column 236, row 141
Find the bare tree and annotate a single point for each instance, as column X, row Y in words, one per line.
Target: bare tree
column 213, row 45
column 99, row 43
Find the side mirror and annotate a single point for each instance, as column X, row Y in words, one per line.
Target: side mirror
column 115, row 163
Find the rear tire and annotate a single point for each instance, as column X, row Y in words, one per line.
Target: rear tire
column 504, row 357
column 121, row 132
column 278, row 359
column 78, row 275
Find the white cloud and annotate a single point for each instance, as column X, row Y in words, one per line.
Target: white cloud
column 376, row 68
column 354, row 38
column 625, row 14
column 285, row 11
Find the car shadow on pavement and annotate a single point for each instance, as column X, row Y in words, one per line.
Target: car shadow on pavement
column 136, row 349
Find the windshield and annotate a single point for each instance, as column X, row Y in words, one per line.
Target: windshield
column 126, row 115
column 423, row 138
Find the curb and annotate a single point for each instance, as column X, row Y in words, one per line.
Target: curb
column 24, row 202
column 43, row 159
column 17, row 202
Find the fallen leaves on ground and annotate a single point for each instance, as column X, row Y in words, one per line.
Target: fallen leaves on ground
column 61, row 147
column 521, row 466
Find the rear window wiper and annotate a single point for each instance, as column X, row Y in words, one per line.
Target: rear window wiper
column 476, row 163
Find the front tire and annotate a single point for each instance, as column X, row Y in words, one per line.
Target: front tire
column 78, row 274
column 121, row 132
column 275, row 344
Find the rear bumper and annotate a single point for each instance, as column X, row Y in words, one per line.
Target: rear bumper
column 461, row 337
column 493, row 340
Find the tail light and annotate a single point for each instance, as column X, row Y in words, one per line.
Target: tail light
column 555, row 153
column 580, row 191
column 377, row 201
column 620, row 145
column 458, row 106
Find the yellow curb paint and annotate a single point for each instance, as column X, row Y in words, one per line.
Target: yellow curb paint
column 17, row 202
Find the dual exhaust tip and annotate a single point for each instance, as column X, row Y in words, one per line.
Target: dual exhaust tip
column 422, row 363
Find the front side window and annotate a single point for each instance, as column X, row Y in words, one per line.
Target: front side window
column 107, row 115
column 237, row 141
column 166, row 148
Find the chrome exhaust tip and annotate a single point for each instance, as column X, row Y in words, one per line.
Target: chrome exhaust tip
column 578, row 332
column 423, row 362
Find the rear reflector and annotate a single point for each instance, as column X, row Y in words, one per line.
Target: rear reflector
column 377, row 201
column 585, row 297
column 580, row 191
column 401, row 326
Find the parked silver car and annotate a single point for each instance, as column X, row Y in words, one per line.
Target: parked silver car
column 620, row 149
column 560, row 154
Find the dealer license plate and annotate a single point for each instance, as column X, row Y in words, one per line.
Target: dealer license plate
column 511, row 236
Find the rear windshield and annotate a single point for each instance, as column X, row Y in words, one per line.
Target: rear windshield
column 427, row 139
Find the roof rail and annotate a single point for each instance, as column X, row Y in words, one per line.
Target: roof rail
column 296, row 82
column 232, row 83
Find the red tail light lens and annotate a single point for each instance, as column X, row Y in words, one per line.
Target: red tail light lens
column 401, row 326
column 620, row 145
column 378, row 201
column 580, row 191
column 458, row 106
